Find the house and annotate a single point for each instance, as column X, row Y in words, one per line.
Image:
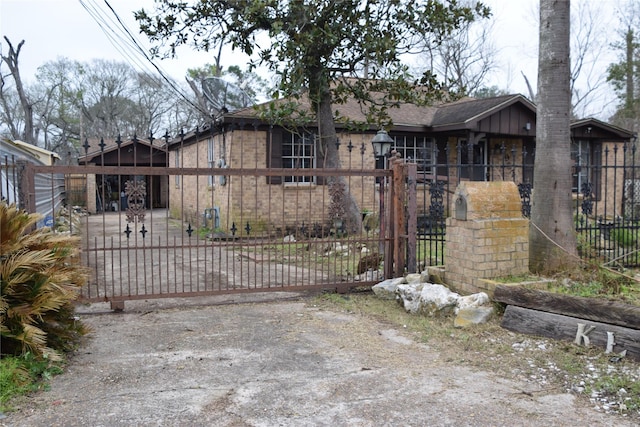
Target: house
column 469, row 139
column 107, row 189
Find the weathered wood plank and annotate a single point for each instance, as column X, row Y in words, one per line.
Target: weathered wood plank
column 597, row 310
column 556, row 326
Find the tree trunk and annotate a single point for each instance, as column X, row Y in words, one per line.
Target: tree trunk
column 552, row 232
column 8, row 113
column 342, row 201
column 12, row 62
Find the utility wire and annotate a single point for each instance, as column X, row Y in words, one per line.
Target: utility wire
column 129, row 47
column 119, row 43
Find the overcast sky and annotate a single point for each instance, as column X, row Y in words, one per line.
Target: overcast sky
column 64, row 28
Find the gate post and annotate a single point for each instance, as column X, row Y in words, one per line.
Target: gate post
column 402, row 211
column 398, row 214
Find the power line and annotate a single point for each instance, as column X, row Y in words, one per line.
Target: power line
column 129, row 47
column 119, row 43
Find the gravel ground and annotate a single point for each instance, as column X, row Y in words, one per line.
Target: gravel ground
column 256, row 362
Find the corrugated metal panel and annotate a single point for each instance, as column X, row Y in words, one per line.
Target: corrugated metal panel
column 50, row 193
column 49, row 188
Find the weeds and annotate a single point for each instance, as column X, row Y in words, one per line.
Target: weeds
column 624, row 236
column 24, row 374
column 619, row 387
column 593, row 281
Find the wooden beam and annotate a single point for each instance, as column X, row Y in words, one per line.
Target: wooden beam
column 597, row 310
column 612, row 339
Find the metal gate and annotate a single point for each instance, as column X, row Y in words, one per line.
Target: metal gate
column 147, row 239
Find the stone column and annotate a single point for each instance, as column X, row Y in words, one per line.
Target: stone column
column 487, row 237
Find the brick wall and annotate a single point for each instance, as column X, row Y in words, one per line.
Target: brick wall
column 251, row 199
column 611, row 183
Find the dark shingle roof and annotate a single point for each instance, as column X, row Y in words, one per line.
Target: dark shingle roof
column 465, row 110
column 410, row 115
column 109, row 145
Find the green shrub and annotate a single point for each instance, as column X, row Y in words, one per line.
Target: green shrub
column 40, row 277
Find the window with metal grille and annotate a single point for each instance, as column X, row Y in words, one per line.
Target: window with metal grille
column 299, row 152
column 420, row 149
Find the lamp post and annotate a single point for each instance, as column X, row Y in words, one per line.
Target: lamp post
column 381, row 147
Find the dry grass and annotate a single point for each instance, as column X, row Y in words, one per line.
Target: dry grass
column 546, row 364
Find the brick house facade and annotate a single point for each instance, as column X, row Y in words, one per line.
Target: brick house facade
column 490, row 139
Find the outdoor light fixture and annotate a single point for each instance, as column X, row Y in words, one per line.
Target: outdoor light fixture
column 381, row 143
column 527, row 126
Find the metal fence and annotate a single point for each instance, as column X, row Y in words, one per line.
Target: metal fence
column 438, row 182
column 155, row 232
column 606, row 196
column 185, row 231
column 607, row 214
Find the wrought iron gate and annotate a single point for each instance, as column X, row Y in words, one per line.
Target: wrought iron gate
column 139, row 244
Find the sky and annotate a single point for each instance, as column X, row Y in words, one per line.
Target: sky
column 64, row 28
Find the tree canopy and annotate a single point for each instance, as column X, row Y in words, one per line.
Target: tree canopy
column 326, row 50
column 313, row 47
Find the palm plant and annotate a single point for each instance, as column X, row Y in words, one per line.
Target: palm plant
column 40, row 277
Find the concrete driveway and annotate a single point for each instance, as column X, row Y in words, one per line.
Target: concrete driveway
column 249, row 360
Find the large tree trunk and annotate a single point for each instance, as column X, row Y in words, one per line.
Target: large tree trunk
column 342, row 202
column 552, row 233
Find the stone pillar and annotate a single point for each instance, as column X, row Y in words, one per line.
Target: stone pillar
column 487, row 237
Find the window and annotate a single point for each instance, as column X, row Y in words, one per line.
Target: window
column 298, row 152
column 581, row 157
column 472, row 161
column 420, row 149
column 211, row 162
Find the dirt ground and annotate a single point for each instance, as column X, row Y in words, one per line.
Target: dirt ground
column 277, row 360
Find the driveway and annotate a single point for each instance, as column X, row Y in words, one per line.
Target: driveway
column 250, row 360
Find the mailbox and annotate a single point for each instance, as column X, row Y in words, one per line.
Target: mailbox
column 460, row 210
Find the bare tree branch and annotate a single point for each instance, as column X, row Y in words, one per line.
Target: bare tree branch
column 12, row 62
